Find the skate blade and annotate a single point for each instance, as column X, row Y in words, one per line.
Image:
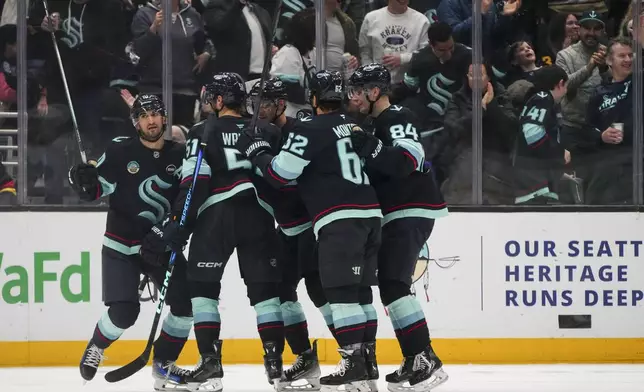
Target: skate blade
column 439, row 377
column 211, row 385
column 303, row 384
column 355, row 386
column 373, row 385
column 167, row 385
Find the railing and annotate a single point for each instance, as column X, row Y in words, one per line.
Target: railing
column 11, row 158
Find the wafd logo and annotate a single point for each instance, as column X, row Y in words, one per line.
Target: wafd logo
column 19, row 286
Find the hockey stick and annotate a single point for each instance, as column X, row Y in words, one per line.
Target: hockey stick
column 265, row 69
column 142, row 284
column 66, row 87
column 139, row 363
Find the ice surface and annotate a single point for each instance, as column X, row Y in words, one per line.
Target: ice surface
column 463, row 378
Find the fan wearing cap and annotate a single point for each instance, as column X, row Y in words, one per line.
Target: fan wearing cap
column 582, row 62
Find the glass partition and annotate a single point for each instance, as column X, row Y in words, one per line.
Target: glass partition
column 558, row 125
column 499, row 132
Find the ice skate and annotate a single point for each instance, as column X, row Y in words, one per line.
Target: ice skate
column 92, row 358
column 168, row 376
column 398, row 381
column 273, row 365
column 351, row 373
column 428, row 371
column 304, row 375
column 372, row 366
column 208, row 374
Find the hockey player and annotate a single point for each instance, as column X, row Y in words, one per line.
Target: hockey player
column 410, row 200
column 345, row 211
column 298, row 247
column 225, row 215
column 140, row 177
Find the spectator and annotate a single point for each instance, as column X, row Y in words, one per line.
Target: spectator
column 341, row 38
column 48, row 122
column 563, row 31
column 610, row 121
column 435, row 73
column 239, row 30
column 498, row 24
column 539, row 158
column 294, row 63
column 523, row 62
column 581, row 61
column 189, row 55
column 390, row 35
column 499, row 134
column 91, row 36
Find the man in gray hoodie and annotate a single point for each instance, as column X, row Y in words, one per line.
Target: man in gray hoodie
column 582, row 62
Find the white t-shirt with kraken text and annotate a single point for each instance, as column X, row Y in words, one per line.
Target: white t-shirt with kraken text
column 385, row 33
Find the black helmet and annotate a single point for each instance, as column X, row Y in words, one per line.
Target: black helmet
column 371, row 75
column 147, row 103
column 229, row 85
column 327, row 86
column 274, row 88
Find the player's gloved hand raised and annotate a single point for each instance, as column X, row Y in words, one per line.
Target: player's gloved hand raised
column 365, row 144
column 83, row 179
column 250, row 143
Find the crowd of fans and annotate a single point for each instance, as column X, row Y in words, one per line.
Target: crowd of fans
column 111, row 51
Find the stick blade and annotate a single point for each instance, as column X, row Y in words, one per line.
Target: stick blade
column 128, row 370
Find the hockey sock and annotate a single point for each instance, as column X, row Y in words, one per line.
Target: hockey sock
column 207, row 323
column 328, row 318
column 296, row 329
column 106, row 332
column 270, row 324
column 174, row 333
column 371, row 326
column 349, row 322
column 409, row 323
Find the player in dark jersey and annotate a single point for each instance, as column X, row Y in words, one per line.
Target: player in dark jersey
column 225, row 216
column 298, row 256
column 345, row 215
column 540, row 156
column 410, row 200
column 140, row 176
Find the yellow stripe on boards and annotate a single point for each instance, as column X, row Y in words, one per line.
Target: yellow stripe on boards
column 451, row 351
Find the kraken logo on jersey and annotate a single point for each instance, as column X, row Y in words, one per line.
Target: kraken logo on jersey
column 155, row 200
column 436, row 87
column 432, row 16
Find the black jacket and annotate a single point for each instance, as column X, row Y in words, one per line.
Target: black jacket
column 230, row 34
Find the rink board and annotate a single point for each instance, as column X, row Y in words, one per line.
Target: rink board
column 502, row 288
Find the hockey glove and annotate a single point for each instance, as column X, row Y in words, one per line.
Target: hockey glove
column 83, row 179
column 251, row 144
column 162, row 239
column 365, row 144
column 154, row 250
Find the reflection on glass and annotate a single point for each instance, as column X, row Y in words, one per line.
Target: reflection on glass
column 76, row 69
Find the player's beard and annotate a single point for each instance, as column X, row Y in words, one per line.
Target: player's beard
column 152, row 138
